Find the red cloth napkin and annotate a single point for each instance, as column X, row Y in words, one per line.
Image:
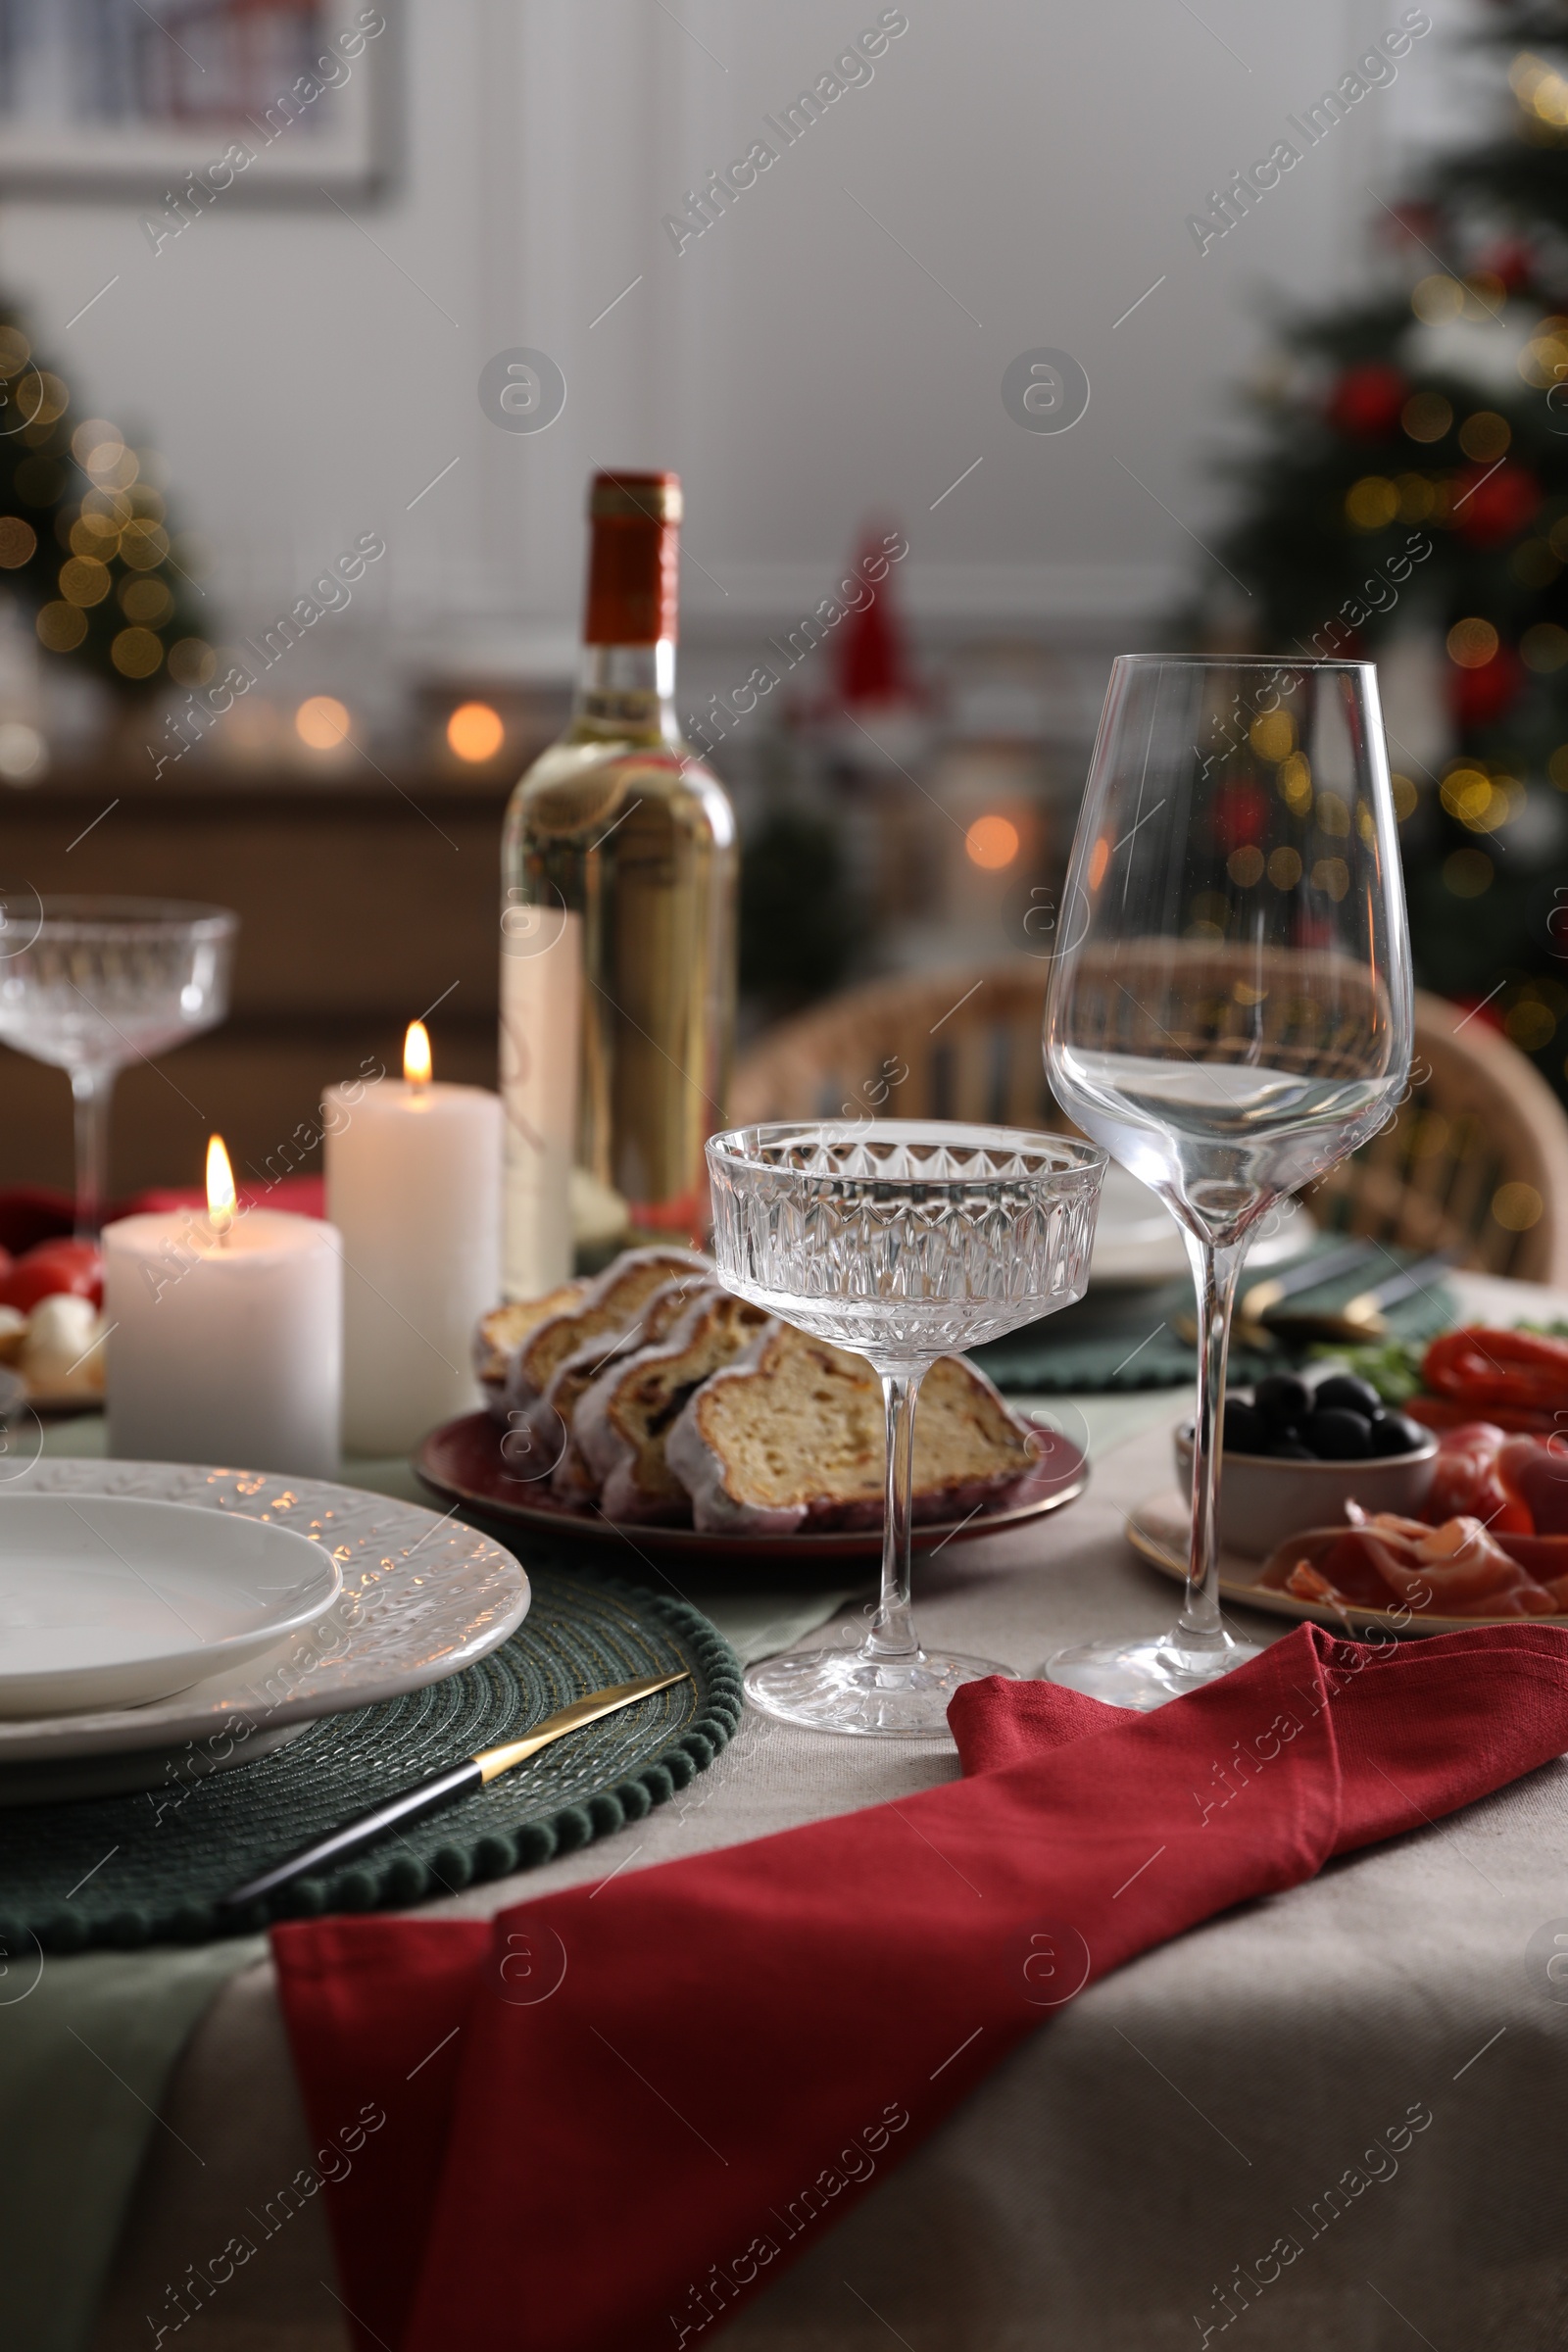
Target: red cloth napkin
column 609, row 2114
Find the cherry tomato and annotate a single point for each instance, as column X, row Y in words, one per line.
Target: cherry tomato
column 51, row 1267
column 1485, row 1368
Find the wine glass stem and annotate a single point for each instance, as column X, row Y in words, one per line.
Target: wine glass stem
column 891, row 1639
column 1214, row 1273
column 92, row 1091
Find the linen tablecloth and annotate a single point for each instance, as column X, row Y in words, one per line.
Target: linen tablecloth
column 1120, row 2184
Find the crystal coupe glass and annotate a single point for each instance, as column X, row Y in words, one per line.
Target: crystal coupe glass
column 90, row 984
column 1230, row 1008
column 902, row 1241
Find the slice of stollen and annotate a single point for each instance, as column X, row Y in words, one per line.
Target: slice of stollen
column 622, row 1421
column 499, row 1334
column 792, row 1437
column 612, row 1304
column 552, row 1420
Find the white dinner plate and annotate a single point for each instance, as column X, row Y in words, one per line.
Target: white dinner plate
column 110, row 1600
column 419, row 1598
column 1138, row 1242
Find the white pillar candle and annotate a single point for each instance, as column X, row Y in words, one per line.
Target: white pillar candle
column 224, row 1346
column 413, row 1185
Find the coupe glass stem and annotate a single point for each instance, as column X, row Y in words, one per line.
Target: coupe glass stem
column 891, row 1639
column 1214, row 1273
column 92, row 1091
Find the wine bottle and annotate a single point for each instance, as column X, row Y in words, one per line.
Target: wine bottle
column 618, row 967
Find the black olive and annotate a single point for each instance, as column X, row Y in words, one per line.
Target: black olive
column 1289, row 1449
column 1282, row 1399
column 1337, row 1436
column 1245, row 1429
column 1345, row 1391
column 1397, row 1432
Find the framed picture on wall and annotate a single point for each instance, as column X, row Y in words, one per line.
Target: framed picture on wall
column 154, row 97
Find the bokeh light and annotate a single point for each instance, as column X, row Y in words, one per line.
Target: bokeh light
column 476, row 731
column 191, row 661
column 321, row 722
column 991, row 843
column 83, row 580
column 22, row 752
column 146, row 599
column 60, row 627
column 136, row 653
column 1472, row 643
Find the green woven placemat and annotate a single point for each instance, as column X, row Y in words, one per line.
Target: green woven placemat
column 150, row 1868
column 1127, row 1338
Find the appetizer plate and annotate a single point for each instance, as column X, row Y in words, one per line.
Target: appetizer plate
column 418, row 1598
column 463, row 1463
column 1157, row 1530
column 1263, row 1500
column 109, row 1600
column 1138, row 1242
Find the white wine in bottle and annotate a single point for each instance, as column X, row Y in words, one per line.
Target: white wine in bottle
column 617, row 966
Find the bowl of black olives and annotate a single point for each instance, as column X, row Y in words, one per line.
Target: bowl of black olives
column 1296, row 1450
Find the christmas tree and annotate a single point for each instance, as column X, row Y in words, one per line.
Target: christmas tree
column 1409, row 479
column 83, row 536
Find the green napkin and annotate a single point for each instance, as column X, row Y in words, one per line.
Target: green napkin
column 1116, row 1339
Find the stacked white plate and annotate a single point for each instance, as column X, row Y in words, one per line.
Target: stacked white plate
column 152, row 1612
column 109, row 1600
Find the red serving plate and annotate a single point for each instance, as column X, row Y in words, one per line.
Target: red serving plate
column 461, row 1462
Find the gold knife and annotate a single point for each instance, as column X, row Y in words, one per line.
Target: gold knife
column 428, row 1796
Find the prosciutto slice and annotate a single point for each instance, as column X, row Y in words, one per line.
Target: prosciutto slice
column 1456, row 1570
column 1535, row 1470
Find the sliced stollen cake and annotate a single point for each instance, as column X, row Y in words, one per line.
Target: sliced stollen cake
column 500, row 1333
column 792, row 1437
column 611, row 1305
column 551, row 1421
column 622, row 1421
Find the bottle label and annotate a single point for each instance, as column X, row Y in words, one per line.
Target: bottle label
column 541, row 1021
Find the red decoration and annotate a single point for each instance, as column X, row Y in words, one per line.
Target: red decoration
column 1509, row 261
column 1367, row 401
column 1478, row 697
column 1480, row 1009
column 1490, row 504
column 1241, row 811
column 872, row 661
column 49, row 1267
column 30, row 1214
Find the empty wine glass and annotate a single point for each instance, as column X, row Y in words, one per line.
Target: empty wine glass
column 902, row 1240
column 90, row 983
column 1230, row 1009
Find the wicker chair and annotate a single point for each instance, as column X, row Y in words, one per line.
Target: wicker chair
column 1476, row 1160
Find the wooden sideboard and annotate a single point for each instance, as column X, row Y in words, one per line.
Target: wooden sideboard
column 362, row 904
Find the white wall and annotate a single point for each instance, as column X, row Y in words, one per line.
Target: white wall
column 798, row 364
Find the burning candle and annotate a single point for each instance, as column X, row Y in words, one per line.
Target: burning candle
column 413, row 1184
column 224, row 1340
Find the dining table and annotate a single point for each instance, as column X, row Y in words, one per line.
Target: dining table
column 1372, row 2062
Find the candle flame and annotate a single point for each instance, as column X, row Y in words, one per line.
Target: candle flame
column 220, row 1201
column 416, row 1054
